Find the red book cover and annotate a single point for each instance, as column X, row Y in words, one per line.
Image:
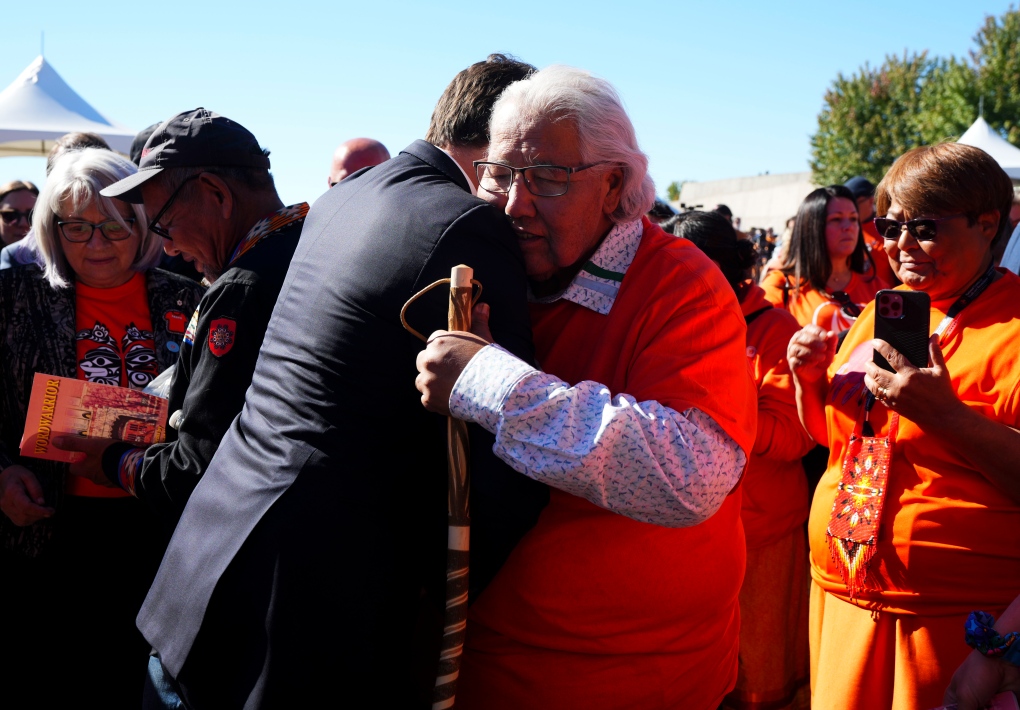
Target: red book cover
column 63, row 406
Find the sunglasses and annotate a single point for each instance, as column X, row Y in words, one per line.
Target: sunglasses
column 923, row 230
column 12, row 216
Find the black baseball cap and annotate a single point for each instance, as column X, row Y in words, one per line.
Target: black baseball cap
column 860, row 186
column 192, row 139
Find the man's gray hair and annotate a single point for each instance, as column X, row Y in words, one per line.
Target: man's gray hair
column 605, row 133
column 75, row 182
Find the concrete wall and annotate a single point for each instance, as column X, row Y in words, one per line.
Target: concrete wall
column 763, row 201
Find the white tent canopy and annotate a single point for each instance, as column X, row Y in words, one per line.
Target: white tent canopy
column 981, row 135
column 39, row 107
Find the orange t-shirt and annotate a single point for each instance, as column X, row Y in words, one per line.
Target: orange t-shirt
column 114, row 345
column 949, row 541
column 774, row 488
column 595, row 610
column 810, row 306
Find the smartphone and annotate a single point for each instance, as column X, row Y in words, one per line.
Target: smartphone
column 902, row 320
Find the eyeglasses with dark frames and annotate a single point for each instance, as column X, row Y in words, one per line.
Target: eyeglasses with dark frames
column 541, row 180
column 12, row 216
column 154, row 224
column 923, row 230
column 79, row 231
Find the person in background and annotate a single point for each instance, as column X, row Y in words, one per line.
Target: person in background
column 353, row 155
column 138, row 144
column 864, row 196
column 993, row 667
column 17, row 198
column 826, row 279
column 76, row 558
column 914, row 524
column 26, row 251
column 661, row 212
column 773, row 668
column 624, row 594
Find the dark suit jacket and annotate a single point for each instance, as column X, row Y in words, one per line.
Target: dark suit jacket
column 298, row 566
column 37, row 330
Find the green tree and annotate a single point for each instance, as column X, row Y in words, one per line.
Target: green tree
column 870, row 118
column 673, row 191
column 997, row 61
column 873, row 116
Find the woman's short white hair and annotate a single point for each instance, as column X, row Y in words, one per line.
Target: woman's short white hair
column 74, row 183
column 604, row 131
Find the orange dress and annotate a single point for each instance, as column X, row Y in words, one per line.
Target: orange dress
column 596, row 611
column 774, row 597
column 811, row 306
column 949, row 542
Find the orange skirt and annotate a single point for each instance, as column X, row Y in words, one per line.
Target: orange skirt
column 863, row 660
column 773, row 661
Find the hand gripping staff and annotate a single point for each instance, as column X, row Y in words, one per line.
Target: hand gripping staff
column 458, row 480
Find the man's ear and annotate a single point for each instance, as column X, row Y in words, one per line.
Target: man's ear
column 612, row 182
column 221, row 193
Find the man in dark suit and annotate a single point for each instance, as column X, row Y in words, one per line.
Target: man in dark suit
column 310, row 559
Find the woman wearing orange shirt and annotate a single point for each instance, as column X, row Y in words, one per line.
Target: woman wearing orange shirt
column 75, row 558
column 773, row 669
column 826, row 279
column 913, row 525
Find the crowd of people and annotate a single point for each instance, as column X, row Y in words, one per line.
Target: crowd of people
column 690, row 487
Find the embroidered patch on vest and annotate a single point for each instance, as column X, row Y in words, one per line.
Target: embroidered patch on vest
column 222, row 333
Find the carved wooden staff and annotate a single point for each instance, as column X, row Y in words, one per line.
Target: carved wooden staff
column 458, row 537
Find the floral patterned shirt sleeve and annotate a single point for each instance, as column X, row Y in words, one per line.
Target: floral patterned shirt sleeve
column 639, row 459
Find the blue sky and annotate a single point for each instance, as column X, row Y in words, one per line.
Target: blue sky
column 715, row 89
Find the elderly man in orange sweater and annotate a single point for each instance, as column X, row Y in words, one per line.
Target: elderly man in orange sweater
column 625, row 592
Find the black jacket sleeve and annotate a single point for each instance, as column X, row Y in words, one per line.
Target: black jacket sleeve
column 214, row 373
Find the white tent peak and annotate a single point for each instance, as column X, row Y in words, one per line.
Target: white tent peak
column 983, row 136
column 39, row 107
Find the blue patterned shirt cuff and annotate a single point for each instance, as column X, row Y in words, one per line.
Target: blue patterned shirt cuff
column 486, row 382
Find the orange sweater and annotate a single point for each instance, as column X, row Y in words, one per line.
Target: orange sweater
column 774, row 486
column 810, row 306
column 949, row 541
column 594, row 610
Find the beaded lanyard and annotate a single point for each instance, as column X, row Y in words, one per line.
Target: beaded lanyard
column 860, row 496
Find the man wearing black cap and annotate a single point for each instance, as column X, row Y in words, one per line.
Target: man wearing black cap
column 308, row 569
column 206, row 185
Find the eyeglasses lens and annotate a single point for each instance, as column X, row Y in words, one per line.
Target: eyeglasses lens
column 547, row 181
column 494, row 178
column 83, row 231
column 923, row 229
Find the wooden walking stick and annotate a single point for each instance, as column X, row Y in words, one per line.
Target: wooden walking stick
column 458, row 509
column 458, row 537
